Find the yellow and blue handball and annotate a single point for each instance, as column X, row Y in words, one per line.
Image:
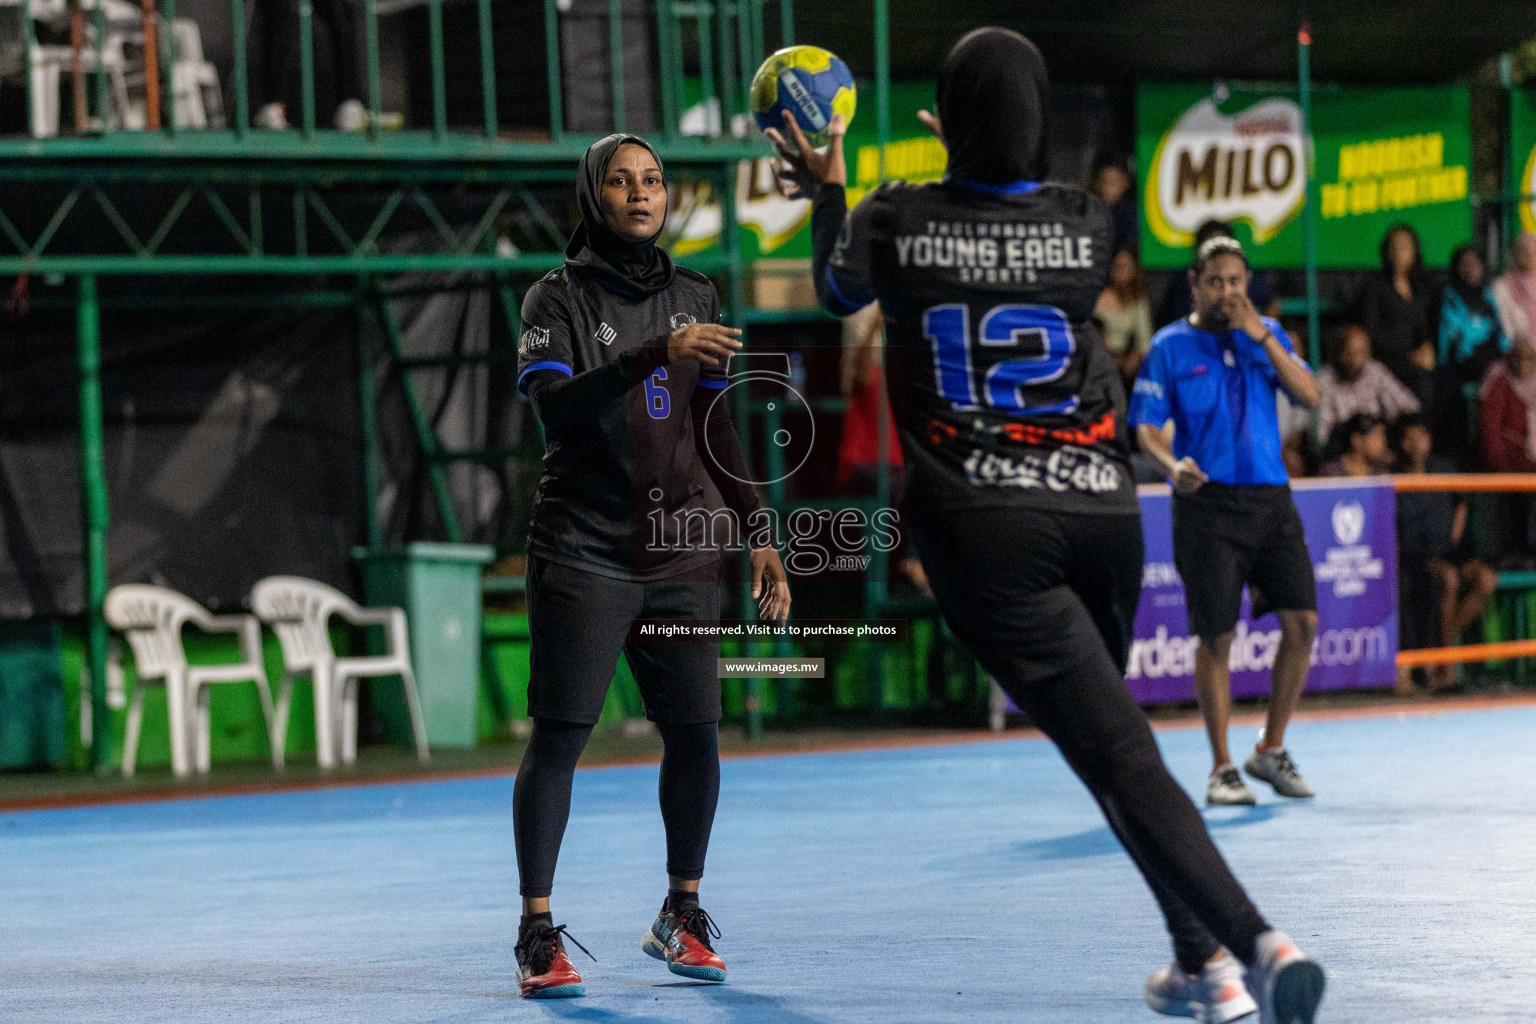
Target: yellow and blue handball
column 809, row 82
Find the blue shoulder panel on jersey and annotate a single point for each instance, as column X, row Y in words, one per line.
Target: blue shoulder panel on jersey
column 846, row 306
column 1012, row 188
column 547, row 364
column 717, row 385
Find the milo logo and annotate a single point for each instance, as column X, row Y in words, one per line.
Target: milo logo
column 1247, row 167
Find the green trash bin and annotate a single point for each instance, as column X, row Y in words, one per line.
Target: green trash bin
column 31, row 695
column 438, row 585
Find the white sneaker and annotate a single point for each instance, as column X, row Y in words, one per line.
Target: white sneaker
column 1226, row 787
column 1287, row 986
column 272, row 116
column 1214, row 996
column 1276, row 768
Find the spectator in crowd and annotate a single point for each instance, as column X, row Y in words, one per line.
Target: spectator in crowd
column 1442, row 589
column 1116, row 189
column 1470, row 339
column 278, row 57
column 1394, row 309
column 1357, row 447
column 1125, row 315
column 862, row 383
column 1178, row 300
column 1514, row 291
column 1507, row 430
column 1353, row 382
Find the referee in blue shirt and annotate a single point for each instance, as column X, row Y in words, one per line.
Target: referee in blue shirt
column 1214, row 374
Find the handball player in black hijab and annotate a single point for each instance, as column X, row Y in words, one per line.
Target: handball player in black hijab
column 623, row 356
column 1022, row 500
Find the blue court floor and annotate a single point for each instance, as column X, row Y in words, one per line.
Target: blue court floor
column 969, row 883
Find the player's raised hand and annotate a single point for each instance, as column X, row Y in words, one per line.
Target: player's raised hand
column 931, row 122
column 770, row 586
column 1187, row 476
column 802, row 170
column 711, row 344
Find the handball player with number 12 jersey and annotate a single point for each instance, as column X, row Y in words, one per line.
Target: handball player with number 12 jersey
column 1023, row 508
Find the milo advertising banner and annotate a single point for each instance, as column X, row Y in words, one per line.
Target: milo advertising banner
column 1382, row 156
column 1522, row 154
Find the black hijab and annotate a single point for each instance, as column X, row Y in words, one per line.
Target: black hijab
column 1475, row 299
column 994, row 103
column 632, row 268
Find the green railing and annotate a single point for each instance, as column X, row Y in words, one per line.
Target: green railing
column 716, row 44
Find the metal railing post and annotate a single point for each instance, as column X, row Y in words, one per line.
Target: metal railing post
column 439, row 73
column 702, row 13
column 786, row 23
column 670, row 63
column 307, row 64
column 29, row 35
column 103, row 97
column 371, row 50
column 883, row 78
column 552, row 69
column 369, row 413
column 488, row 69
column 172, row 51
column 93, row 515
column 241, row 72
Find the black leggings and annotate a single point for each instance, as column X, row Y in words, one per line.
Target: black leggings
column 1045, row 602
column 541, row 797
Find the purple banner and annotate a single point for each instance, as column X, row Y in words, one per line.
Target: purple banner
column 1351, row 531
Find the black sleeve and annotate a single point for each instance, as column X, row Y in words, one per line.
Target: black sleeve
column 841, row 250
column 714, row 434
column 566, row 403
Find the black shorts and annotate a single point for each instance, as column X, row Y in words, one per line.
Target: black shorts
column 578, row 622
column 1032, row 593
column 1225, row 537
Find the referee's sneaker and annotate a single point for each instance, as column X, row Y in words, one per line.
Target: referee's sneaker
column 1215, row 375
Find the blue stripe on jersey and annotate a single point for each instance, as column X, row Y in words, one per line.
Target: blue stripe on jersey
column 716, row 385
column 547, row 364
column 1012, row 188
column 848, row 306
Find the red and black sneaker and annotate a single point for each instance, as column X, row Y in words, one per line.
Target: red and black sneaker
column 543, row 969
column 681, row 938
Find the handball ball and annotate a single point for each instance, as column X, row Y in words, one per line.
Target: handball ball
column 810, row 83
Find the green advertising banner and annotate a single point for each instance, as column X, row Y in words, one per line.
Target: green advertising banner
column 1522, row 154
column 1382, row 156
column 772, row 225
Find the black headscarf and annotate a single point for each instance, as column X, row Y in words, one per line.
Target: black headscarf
column 994, row 103
column 1475, row 299
column 634, row 268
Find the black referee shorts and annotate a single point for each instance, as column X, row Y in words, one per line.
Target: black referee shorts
column 578, row 622
column 1227, row 536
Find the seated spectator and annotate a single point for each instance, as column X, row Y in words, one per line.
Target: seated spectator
column 1514, row 291
column 1471, row 338
column 1443, row 590
column 1113, row 184
column 1394, row 309
column 1354, row 382
column 278, row 57
column 1507, row 432
column 1123, row 311
column 1357, row 447
column 1178, row 301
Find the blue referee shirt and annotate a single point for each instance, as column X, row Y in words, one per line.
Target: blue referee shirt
column 1219, row 390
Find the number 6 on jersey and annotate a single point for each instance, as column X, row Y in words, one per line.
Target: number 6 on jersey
column 1042, row 335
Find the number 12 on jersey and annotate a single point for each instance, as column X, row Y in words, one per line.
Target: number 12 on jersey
column 1042, row 334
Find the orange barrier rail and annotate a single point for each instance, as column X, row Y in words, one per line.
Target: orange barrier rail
column 1464, row 483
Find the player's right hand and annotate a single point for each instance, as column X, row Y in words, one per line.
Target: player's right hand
column 711, row 344
column 803, row 170
column 1187, row 476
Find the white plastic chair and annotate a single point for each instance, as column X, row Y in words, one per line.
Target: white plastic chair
column 299, row 611
column 151, row 618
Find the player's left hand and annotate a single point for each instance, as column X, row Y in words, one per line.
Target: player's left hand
column 802, row 170
column 1242, row 315
column 770, row 586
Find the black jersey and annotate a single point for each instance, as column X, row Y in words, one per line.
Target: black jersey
column 621, row 479
column 1008, row 396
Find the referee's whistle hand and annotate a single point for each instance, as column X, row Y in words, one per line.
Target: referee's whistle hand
column 711, row 344
column 770, row 586
column 1187, row 476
